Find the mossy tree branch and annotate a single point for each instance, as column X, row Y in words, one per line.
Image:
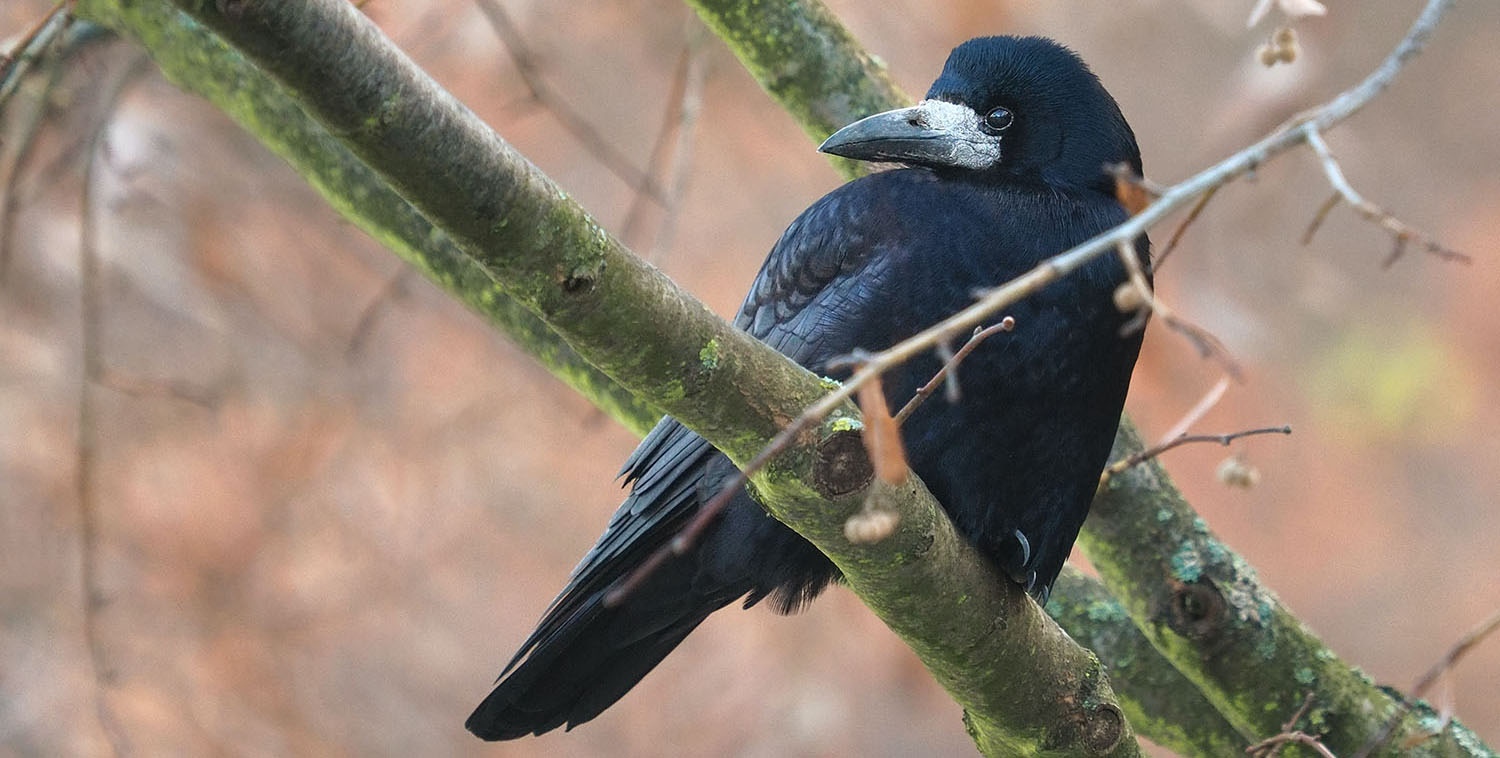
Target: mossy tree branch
column 1027, row 687
column 1125, row 531
column 1160, row 702
column 1203, row 606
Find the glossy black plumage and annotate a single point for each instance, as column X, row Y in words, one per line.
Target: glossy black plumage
column 1014, row 462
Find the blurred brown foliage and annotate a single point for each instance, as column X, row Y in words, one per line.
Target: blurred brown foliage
column 329, row 501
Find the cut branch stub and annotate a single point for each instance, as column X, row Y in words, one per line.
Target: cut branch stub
column 843, row 466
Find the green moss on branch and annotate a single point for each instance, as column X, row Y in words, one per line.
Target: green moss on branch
column 805, row 58
column 1160, row 702
column 1205, row 608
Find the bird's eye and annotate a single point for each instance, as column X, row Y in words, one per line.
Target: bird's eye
column 998, row 119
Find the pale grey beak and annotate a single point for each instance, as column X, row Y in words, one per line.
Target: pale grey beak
column 932, row 133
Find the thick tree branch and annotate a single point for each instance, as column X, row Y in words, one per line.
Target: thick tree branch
column 808, row 62
column 1029, row 689
column 1205, row 608
column 1126, row 512
column 1159, row 701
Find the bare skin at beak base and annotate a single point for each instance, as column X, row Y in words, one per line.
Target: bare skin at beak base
column 932, row 133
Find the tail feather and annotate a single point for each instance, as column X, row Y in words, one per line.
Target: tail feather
column 594, row 656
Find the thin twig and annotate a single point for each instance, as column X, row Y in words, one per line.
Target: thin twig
column 1321, row 216
column 1294, row 132
column 1182, row 228
column 951, row 366
column 1301, row 711
column 365, row 324
column 1266, row 746
column 1272, row 747
column 1125, row 464
column 571, row 119
column 90, row 327
column 29, row 47
column 173, row 389
column 1207, row 344
column 672, row 150
column 24, row 151
column 1400, row 230
column 1448, row 661
column 1199, row 409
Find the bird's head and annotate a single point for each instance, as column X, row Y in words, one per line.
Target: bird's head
column 1016, row 109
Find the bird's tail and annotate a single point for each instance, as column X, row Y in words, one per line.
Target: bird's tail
column 585, row 656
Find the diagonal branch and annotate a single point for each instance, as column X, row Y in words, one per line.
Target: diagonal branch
column 1024, row 689
column 571, row 118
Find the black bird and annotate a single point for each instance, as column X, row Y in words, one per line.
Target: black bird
column 1006, row 162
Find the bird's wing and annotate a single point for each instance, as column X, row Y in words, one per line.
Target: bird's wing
column 808, row 304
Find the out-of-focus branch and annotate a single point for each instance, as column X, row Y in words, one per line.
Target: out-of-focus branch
column 1343, row 191
column 92, row 365
column 571, row 118
column 1474, row 636
column 671, row 154
column 201, row 63
column 15, row 62
column 808, row 62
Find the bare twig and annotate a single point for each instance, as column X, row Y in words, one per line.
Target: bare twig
column 1181, row 229
column 1400, row 230
column 571, row 119
column 673, row 147
column 93, row 369
column 173, row 389
column 1207, row 344
column 1321, row 216
column 1272, row 745
column 1473, row 637
column 14, row 63
column 1199, row 409
column 1125, row 464
column 950, row 367
column 367, row 317
column 1307, row 701
column 21, row 157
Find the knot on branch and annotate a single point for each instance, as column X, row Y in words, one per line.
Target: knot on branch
column 1103, row 726
column 1196, row 610
column 842, row 466
column 579, row 281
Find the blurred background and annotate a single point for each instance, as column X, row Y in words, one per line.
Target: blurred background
column 324, row 502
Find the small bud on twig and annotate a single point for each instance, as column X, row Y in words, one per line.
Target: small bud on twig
column 1235, row 472
column 1128, row 298
column 871, row 525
